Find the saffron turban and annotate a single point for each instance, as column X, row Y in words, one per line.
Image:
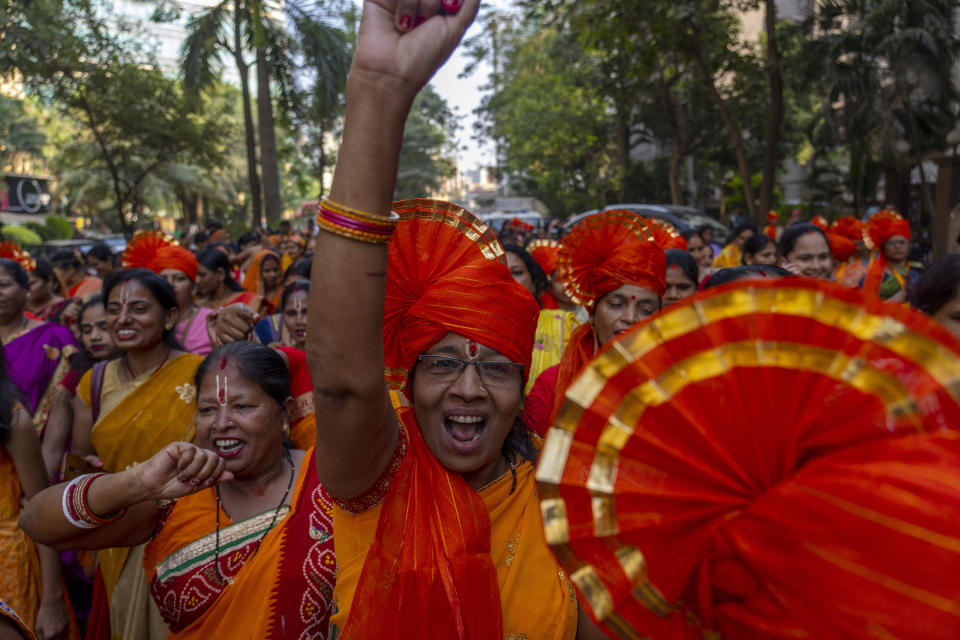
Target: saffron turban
column 176, row 257
column 157, row 251
column 447, row 274
column 12, row 251
column 848, row 227
column 841, row 246
column 882, row 226
column 607, row 251
column 546, row 253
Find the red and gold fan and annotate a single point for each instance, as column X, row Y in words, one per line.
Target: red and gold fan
column 771, row 459
column 143, row 247
column 12, row 251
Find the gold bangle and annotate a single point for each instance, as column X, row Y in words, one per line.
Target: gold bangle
column 356, row 214
column 352, row 234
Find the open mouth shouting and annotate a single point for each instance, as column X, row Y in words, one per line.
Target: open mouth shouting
column 464, row 429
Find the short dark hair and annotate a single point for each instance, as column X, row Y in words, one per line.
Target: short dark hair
column 686, row 263
column 938, row 285
column 158, row 287
column 732, row 274
column 256, row 362
column 790, row 235
column 65, row 259
column 16, row 271
column 44, row 270
column 214, row 260
column 740, row 227
column 301, row 267
column 754, row 245
column 101, row 252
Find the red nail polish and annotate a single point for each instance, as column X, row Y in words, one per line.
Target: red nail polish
column 405, row 22
column 451, row 5
column 419, row 21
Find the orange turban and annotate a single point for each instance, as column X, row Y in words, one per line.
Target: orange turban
column 12, row 251
column 841, row 246
column 546, row 253
column 848, row 227
column 155, row 250
column 448, row 274
column 771, row 232
column 882, row 226
column 820, row 221
column 665, row 235
column 175, row 257
column 607, row 251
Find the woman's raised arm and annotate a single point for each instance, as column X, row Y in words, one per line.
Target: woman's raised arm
column 356, row 430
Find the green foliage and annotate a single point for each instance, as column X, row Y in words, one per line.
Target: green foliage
column 20, row 132
column 424, row 158
column 53, row 228
column 23, row 236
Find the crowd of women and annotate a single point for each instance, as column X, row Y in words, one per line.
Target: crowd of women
column 178, row 459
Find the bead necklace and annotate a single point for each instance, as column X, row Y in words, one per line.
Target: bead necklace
column 273, row 521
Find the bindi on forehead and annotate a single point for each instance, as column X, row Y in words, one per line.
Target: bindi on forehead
column 472, row 349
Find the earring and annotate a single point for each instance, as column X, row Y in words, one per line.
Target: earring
column 286, row 427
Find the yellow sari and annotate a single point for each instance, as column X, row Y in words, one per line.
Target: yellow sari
column 137, row 419
column 554, row 327
column 731, row 256
column 536, row 598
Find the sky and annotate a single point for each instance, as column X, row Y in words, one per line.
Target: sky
column 463, row 95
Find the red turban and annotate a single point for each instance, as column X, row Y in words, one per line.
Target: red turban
column 448, row 274
column 607, row 251
column 841, row 246
column 12, row 251
column 175, row 257
column 882, row 226
column 771, row 232
column 546, row 253
column 848, row 227
column 665, row 235
column 820, row 221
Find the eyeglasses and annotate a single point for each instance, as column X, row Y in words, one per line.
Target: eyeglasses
column 447, row 369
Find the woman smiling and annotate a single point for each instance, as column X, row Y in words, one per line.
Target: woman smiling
column 436, row 517
column 128, row 409
column 239, row 542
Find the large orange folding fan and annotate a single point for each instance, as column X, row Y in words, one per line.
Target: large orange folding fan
column 772, row 459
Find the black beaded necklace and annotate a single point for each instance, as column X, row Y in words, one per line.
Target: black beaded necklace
column 273, row 521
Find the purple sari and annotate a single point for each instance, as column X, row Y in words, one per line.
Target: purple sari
column 36, row 361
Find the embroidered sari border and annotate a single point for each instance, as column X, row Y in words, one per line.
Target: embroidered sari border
column 235, row 536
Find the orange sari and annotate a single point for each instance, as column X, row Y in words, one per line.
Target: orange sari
column 277, row 587
column 19, row 565
column 535, row 598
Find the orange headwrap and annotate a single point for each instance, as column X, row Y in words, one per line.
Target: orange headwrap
column 175, row 257
column 820, row 221
column 155, row 250
column 432, row 560
column 848, row 227
column 665, row 235
column 12, row 251
column 546, row 253
column 772, row 216
column 251, row 279
column 606, row 251
column 448, row 275
column 771, row 232
column 881, row 226
column 841, row 246
column 600, row 255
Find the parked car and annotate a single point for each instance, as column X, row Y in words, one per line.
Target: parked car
column 682, row 218
column 116, row 243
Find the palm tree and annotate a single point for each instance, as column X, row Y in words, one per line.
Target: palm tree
column 312, row 45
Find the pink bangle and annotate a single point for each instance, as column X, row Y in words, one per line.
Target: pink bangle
column 357, row 225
